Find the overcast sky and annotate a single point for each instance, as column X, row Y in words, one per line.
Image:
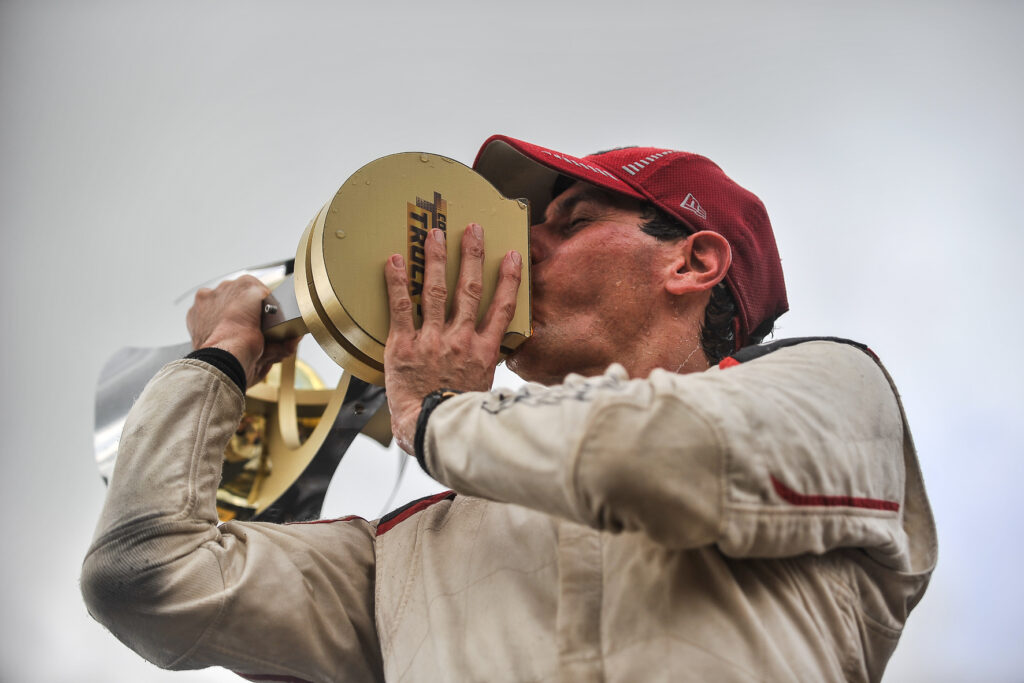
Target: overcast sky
column 146, row 147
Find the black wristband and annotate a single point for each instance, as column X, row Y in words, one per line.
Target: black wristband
column 223, row 361
column 430, row 402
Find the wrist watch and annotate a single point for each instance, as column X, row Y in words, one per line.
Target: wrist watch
column 430, row 401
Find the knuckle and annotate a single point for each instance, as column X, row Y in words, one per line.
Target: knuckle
column 474, row 250
column 437, row 291
column 426, row 342
column 508, row 310
column 457, row 347
column 402, row 305
column 252, row 283
column 473, row 290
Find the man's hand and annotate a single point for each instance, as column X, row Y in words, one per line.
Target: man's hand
column 444, row 353
column 228, row 318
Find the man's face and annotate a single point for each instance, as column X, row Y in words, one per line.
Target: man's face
column 596, row 287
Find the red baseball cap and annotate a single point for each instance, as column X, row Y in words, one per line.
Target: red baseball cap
column 689, row 187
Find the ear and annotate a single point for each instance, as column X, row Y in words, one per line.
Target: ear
column 702, row 260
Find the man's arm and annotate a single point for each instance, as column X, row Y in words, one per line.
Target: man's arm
column 262, row 599
column 802, row 451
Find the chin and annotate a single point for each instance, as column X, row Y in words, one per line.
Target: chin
column 518, row 362
column 536, row 362
column 527, row 361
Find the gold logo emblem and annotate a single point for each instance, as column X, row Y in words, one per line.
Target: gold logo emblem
column 420, row 218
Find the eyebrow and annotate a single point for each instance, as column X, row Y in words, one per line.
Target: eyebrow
column 589, row 194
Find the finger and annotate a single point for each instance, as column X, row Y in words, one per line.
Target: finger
column 466, row 305
column 275, row 352
column 399, row 302
column 435, row 291
column 503, row 306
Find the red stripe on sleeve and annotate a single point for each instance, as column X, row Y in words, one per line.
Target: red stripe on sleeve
column 405, row 514
column 728, row 363
column 794, row 498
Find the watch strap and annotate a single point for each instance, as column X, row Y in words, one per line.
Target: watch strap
column 430, row 402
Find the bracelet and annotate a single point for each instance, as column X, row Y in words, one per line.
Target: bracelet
column 430, row 402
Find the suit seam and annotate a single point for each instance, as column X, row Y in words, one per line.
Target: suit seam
column 406, row 584
column 846, row 600
column 575, row 460
column 876, row 623
column 201, row 428
column 192, row 501
column 119, row 532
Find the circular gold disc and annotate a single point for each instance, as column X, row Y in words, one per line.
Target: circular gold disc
column 388, row 207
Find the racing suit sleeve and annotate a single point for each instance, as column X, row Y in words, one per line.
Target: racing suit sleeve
column 266, row 600
column 801, row 451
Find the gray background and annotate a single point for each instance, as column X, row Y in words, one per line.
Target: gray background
column 146, row 147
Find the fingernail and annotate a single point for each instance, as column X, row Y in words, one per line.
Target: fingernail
column 516, row 258
column 476, row 230
column 438, row 235
column 397, row 261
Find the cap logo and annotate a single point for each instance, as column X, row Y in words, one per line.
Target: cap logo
column 638, row 165
column 691, row 204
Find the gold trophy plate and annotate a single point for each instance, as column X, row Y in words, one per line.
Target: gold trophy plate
column 388, row 207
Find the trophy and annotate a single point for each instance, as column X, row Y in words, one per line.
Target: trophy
column 295, row 431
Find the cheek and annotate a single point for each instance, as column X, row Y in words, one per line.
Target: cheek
column 622, row 277
column 591, row 272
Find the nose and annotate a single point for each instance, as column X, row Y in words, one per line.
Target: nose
column 539, row 242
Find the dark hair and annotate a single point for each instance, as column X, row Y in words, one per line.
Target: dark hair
column 717, row 333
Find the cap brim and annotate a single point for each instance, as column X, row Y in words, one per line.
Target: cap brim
column 521, row 170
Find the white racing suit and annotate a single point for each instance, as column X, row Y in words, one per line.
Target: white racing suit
column 763, row 520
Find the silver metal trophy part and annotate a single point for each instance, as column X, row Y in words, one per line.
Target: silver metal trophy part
column 266, row 476
column 120, row 382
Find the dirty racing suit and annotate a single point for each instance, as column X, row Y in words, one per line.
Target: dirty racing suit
column 764, row 520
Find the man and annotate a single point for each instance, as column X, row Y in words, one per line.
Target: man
column 642, row 517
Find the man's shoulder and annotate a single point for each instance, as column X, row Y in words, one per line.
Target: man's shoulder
column 808, row 363
column 813, row 344
column 411, row 509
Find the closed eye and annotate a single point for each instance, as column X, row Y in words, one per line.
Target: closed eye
column 576, row 224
